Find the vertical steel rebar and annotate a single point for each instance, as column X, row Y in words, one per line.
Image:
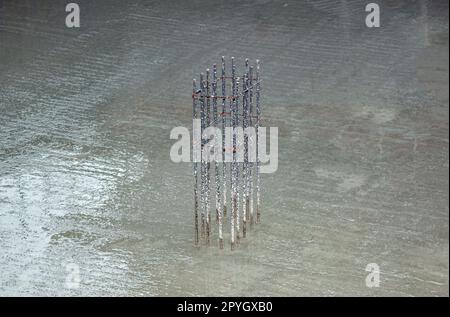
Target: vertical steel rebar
column 233, row 164
column 203, row 163
column 224, row 165
column 258, row 162
column 245, row 164
column 251, row 164
column 236, row 149
column 216, row 163
column 208, row 164
column 194, row 114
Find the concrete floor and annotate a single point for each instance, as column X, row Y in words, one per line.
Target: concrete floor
column 85, row 174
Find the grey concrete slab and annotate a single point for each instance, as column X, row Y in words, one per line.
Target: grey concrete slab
column 85, row 174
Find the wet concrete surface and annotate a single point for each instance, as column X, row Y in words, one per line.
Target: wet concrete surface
column 85, row 174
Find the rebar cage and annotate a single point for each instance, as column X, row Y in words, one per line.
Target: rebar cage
column 238, row 98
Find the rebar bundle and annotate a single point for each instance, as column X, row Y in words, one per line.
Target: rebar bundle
column 237, row 99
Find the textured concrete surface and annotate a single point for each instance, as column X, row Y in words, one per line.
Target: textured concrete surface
column 85, row 174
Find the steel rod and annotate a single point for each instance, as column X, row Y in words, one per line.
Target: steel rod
column 224, row 165
column 203, row 163
column 208, row 164
column 258, row 162
column 217, row 175
column 233, row 164
column 195, row 115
